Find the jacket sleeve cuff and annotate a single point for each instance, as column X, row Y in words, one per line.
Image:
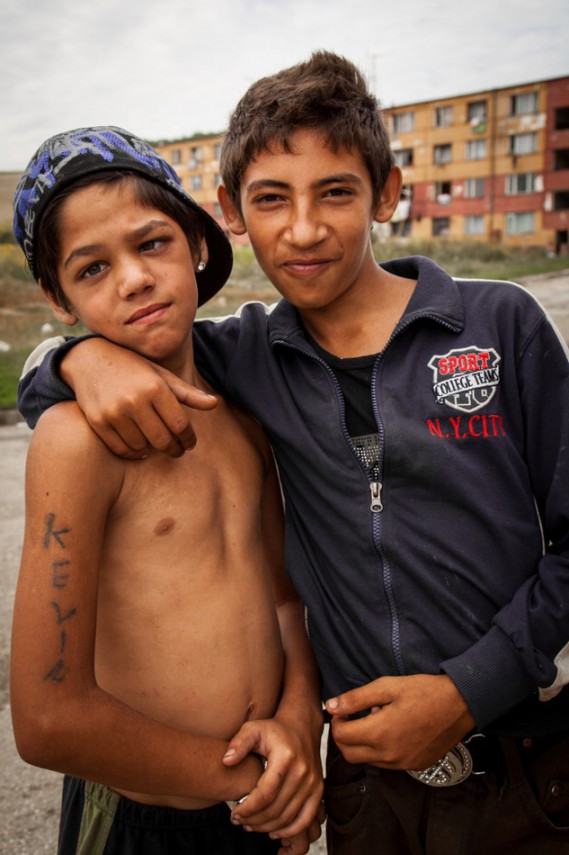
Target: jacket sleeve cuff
column 40, row 385
column 490, row 676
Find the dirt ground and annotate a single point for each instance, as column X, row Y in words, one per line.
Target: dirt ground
column 29, row 797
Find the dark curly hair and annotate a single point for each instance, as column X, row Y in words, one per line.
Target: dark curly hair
column 326, row 93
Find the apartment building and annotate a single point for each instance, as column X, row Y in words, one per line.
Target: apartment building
column 490, row 165
column 196, row 160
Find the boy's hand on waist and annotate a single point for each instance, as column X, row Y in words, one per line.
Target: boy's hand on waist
column 132, row 404
column 413, row 722
column 288, row 794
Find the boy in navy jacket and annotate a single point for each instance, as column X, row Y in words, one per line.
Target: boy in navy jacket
column 421, row 428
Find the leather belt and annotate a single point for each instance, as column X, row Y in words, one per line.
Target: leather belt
column 470, row 757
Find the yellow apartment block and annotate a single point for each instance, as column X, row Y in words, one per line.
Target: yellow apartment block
column 490, row 165
column 196, row 160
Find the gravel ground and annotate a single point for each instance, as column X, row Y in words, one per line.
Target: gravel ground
column 29, row 797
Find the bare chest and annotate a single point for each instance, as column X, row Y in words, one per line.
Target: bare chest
column 191, row 513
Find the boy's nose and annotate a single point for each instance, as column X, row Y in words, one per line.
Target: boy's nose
column 134, row 277
column 305, row 228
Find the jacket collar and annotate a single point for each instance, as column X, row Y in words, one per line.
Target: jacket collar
column 436, row 297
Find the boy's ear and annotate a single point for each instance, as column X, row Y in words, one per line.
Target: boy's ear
column 389, row 198
column 204, row 252
column 63, row 315
column 231, row 215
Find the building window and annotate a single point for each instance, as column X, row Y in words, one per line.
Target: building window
column 523, row 143
column 176, row 155
column 476, row 112
column 216, row 179
column 561, row 159
column 443, row 117
column 517, row 184
column 443, row 190
column 520, row 224
column 476, row 149
column 217, row 212
column 195, row 182
column 403, row 122
column 474, row 225
column 562, row 119
column 403, row 157
column 441, row 226
column 525, row 103
column 474, row 188
column 442, row 154
column 217, row 150
column 561, row 201
column 196, row 156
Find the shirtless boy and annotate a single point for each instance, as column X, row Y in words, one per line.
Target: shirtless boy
column 153, row 619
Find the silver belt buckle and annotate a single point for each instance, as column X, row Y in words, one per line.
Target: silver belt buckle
column 450, row 770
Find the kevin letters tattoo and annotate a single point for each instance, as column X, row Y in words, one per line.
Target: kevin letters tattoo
column 59, row 581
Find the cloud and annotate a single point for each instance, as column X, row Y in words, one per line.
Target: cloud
column 169, row 69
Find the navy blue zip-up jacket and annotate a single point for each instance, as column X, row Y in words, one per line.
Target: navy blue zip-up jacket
column 457, row 559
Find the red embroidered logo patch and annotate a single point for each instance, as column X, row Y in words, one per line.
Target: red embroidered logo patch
column 466, row 379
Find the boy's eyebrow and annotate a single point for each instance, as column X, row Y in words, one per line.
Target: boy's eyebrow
column 340, row 178
column 263, row 183
column 136, row 234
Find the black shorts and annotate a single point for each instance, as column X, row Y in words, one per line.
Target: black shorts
column 97, row 821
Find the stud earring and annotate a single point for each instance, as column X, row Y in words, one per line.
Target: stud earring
column 201, row 266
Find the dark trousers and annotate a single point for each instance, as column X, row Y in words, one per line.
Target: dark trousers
column 97, row 821
column 519, row 806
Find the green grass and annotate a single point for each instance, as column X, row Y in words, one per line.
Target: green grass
column 10, row 370
column 474, row 260
column 24, row 312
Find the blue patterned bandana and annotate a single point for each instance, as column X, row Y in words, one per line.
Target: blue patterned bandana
column 64, row 158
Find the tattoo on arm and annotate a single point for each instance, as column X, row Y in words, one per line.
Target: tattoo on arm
column 59, row 581
column 57, row 673
column 51, row 532
column 61, row 617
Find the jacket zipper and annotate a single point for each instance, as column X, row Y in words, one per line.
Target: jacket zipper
column 376, row 505
column 375, row 484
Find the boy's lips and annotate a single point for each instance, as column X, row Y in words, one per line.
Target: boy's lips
column 148, row 313
column 306, row 266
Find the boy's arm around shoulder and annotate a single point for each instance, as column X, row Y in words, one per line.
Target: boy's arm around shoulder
column 40, row 386
column 289, row 794
column 132, row 404
column 62, row 719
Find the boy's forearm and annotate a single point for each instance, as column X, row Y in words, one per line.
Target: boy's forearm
column 300, row 702
column 292, row 784
column 53, row 370
column 99, row 738
column 80, row 358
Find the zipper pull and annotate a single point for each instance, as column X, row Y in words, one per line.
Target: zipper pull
column 376, row 505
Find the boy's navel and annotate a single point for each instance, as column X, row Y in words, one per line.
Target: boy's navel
column 164, row 526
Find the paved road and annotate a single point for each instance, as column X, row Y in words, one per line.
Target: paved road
column 29, row 797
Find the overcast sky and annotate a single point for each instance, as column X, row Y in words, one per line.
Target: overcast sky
column 169, row 68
